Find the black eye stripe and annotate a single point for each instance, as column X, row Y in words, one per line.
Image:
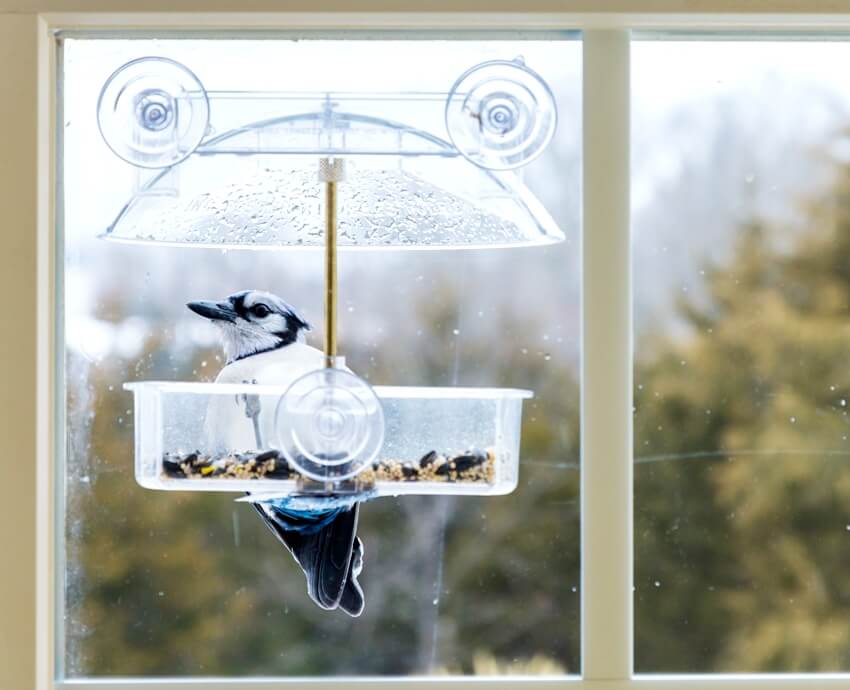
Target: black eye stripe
column 238, row 302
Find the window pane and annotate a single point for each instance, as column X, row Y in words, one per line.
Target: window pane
column 192, row 583
column 741, row 237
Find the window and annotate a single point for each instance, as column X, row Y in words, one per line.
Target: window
column 741, row 300
column 192, row 584
column 741, row 421
column 724, row 584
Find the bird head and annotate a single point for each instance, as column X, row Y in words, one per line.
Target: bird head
column 252, row 322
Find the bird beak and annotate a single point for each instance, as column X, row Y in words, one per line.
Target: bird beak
column 217, row 311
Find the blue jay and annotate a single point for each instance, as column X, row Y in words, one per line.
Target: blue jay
column 264, row 342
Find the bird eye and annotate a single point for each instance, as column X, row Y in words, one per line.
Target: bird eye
column 260, row 310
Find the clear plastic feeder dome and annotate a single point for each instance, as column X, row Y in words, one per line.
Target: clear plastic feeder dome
column 397, row 207
column 426, row 170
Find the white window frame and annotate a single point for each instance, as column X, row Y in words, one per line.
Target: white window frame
column 29, row 519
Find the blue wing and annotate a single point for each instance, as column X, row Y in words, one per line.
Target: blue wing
column 326, row 546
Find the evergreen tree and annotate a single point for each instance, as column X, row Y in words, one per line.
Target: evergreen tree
column 742, row 492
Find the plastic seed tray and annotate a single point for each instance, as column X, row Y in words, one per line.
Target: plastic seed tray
column 225, row 437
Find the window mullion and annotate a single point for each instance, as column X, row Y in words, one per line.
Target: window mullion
column 606, row 474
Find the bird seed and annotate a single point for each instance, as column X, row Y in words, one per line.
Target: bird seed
column 469, row 466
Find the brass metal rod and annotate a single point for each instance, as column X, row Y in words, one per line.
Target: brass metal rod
column 330, row 272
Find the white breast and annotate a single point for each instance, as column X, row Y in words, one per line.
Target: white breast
column 279, row 367
column 227, row 425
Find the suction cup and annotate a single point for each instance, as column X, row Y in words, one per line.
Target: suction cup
column 153, row 112
column 500, row 114
column 330, row 424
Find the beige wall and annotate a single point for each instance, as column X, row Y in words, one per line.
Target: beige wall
column 17, row 349
column 578, row 6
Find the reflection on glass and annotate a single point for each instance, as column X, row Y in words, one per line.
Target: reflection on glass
column 171, row 583
column 742, row 239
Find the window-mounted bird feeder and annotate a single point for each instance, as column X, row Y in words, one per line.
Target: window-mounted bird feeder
column 383, row 181
column 434, row 440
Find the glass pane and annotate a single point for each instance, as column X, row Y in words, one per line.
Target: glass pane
column 172, row 583
column 741, row 240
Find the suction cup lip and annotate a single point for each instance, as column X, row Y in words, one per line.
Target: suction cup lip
column 516, row 63
column 126, row 65
column 305, row 465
